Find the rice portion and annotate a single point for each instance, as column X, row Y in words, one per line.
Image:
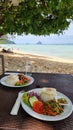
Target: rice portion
column 12, row 79
column 48, row 94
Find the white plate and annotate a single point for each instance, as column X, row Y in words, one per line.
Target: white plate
column 3, row 82
column 67, row 109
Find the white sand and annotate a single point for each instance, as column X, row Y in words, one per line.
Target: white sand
column 16, row 61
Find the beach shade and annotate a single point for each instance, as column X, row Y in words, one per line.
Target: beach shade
column 6, row 41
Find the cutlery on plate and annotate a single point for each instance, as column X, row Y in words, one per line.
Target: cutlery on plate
column 63, row 104
column 16, row 105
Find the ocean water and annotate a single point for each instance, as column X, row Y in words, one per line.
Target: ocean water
column 60, row 51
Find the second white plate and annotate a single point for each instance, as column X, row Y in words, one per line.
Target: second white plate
column 3, row 82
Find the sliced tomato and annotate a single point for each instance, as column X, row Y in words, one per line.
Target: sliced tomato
column 38, row 107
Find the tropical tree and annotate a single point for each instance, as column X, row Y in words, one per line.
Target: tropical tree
column 39, row 17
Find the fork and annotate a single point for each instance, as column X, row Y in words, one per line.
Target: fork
column 16, row 105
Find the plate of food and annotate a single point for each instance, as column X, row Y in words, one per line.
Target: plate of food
column 45, row 104
column 16, row 80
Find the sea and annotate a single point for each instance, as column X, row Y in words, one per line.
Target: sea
column 59, row 51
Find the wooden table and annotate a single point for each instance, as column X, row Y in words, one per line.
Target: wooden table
column 62, row 82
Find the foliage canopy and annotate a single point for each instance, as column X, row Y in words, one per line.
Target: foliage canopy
column 39, row 17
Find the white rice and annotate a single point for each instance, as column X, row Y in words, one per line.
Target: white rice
column 12, row 79
column 48, row 94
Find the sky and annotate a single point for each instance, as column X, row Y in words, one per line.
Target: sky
column 67, row 37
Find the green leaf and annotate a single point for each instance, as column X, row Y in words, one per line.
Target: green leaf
column 39, row 17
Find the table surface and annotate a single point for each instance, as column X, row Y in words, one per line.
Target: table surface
column 23, row 121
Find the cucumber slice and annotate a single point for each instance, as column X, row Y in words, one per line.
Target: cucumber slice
column 32, row 100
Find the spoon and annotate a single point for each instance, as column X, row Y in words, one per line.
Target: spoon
column 16, row 105
column 61, row 103
column 64, row 104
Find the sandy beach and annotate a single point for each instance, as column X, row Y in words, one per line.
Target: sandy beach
column 16, row 61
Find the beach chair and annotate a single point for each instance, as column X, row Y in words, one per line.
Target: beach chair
column 2, row 68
